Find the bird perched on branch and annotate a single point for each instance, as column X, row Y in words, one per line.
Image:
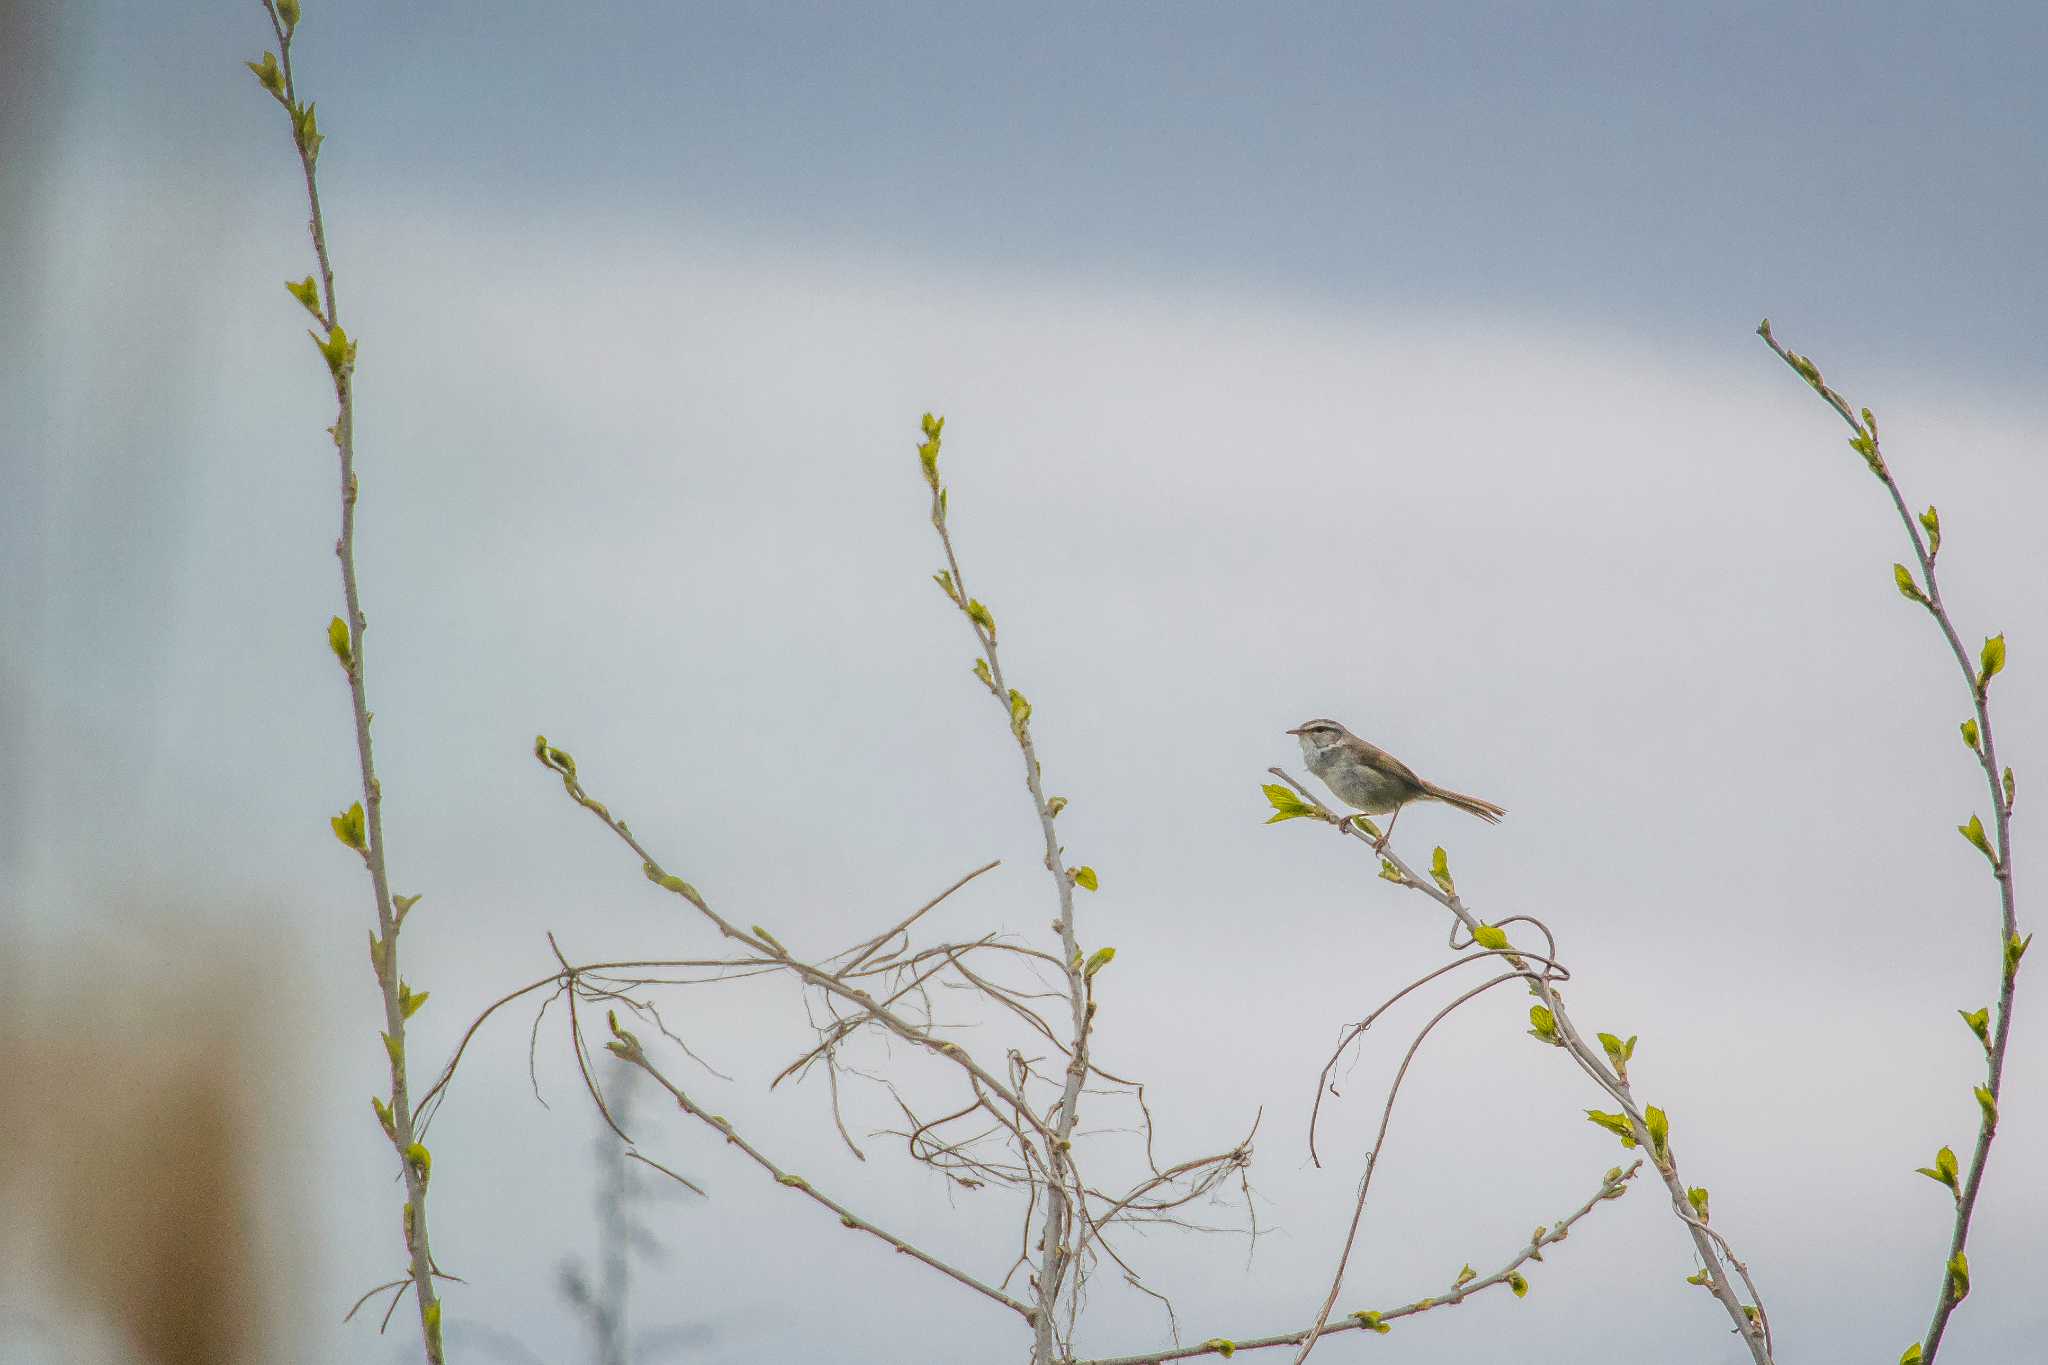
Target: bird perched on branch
column 1372, row 779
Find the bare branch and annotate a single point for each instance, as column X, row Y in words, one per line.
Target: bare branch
column 1708, row 1244
column 627, row 1047
column 867, row 949
column 1612, row 1186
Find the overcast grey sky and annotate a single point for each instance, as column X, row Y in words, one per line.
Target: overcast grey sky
column 1394, row 365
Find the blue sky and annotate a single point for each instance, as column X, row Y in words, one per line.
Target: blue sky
column 1675, row 168
column 1392, row 364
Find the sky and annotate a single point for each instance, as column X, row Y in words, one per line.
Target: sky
column 1394, row 365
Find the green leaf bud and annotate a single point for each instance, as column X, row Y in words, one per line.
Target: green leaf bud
column 1908, row 589
column 348, row 827
column 1991, row 660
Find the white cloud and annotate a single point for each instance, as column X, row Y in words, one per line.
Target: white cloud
column 653, row 492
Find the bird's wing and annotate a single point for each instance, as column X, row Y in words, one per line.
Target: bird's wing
column 1388, row 763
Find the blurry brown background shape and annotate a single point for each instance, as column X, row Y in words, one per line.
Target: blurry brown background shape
column 133, row 1128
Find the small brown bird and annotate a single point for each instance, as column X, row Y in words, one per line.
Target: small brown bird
column 1372, row 779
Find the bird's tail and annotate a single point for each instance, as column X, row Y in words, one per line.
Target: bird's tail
column 1485, row 810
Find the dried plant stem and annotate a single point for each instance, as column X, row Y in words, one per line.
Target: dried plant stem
column 1612, row 1186
column 771, row 953
column 1710, row 1246
column 1926, row 548
column 411, row 1157
column 627, row 1047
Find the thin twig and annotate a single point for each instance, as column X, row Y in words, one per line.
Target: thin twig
column 279, row 79
column 627, row 1047
column 1372, row 1157
column 1611, row 1187
column 867, row 949
column 1055, row 1257
column 1708, row 1244
column 1926, row 549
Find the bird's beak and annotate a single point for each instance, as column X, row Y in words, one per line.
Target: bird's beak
column 1295, row 731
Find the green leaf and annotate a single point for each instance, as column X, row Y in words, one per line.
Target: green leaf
column 770, row 940
column 933, row 427
column 1908, row 589
column 1518, row 1284
column 1440, row 873
column 1944, row 1171
column 1054, row 807
column 1697, row 1197
column 1932, row 521
column 288, row 12
column 1864, row 444
column 307, row 293
column 1979, row 1023
column 2008, row 789
column 1286, row 805
column 1370, row 1321
column 1912, row 1355
column 420, row 1159
column 394, row 1049
column 2015, row 949
column 944, row 579
column 348, row 827
column 1970, row 734
column 1487, row 936
column 1959, row 1277
column 1543, row 1024
column 795, row 1182
column 383, row 1112
column 1698, row 1277
column 1616, row 1124
column 1618, row 1052
column 1388, row 872
column 1465, row 1276
column 1097, row 960
column 981, row 616
column 1085, row 878
column 1987, row 1102
column 336, row 349
column 409, row 1002
column 1020, row 712
column 1222, row 1346
column 1660, row 1132
column 981, row 672
column 1974, row 832
column 1991, row 660
column 404, row 905
column 268, row 74
column 337, row 640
